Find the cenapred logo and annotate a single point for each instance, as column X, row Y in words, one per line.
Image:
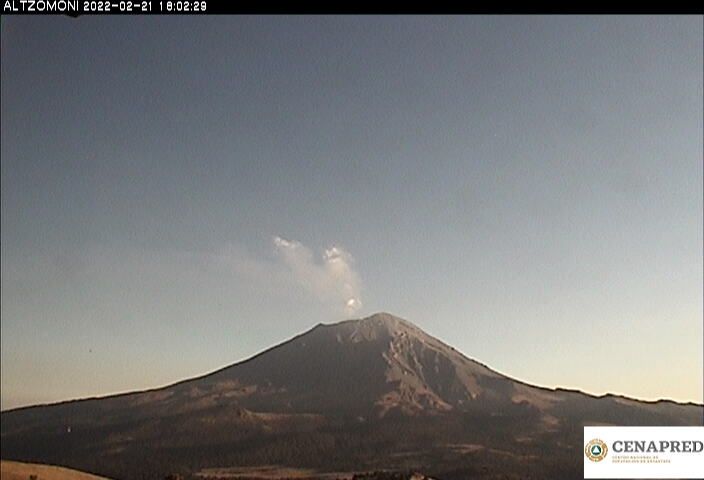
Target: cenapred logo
column 643, row 452
column 596, row 450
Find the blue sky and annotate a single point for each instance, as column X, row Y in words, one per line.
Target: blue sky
column 179, row 193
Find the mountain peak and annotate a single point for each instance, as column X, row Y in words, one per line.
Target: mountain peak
column 385, row 318
column 378, row 326
column 378, row 318
column 332, row 385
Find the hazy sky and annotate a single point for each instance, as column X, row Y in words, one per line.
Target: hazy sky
column 181, row 193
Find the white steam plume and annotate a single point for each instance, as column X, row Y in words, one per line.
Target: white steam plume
column 332, row 278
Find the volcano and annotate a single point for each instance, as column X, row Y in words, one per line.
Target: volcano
column 375, row 394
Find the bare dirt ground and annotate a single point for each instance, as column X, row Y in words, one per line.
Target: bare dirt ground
column 23, row 471
column 270, row 472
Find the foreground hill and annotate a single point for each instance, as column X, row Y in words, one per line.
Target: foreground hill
column 24, row 471
column 377, row 393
